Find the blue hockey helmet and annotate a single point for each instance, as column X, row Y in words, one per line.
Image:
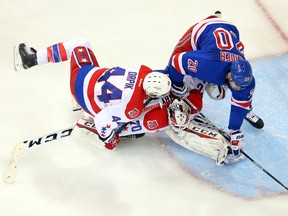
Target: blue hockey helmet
column 241, row 73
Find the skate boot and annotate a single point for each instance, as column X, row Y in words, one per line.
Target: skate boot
column 254, row 120
column 28, row 56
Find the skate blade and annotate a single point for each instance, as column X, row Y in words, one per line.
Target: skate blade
column 17, row 59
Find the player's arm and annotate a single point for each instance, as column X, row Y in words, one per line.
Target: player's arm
column 240, row 105
column 178, row 76
column 107, row 123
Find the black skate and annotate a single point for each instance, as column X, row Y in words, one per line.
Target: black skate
column 254, row 120
column 24, row 57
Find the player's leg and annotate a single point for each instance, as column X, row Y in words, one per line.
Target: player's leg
column 83, row 62
column 27, row 57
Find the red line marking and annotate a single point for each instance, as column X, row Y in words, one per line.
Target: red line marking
column 272, row 20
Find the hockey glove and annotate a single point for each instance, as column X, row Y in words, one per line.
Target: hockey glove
column 180, row 91
column 236, row 141
column 215, row 92
column 112, row 142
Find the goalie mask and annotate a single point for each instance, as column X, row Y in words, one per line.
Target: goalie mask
column 178, row 115
column 156, row 84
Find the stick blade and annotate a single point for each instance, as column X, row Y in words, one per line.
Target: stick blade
column 10, row 174
column 17, row 59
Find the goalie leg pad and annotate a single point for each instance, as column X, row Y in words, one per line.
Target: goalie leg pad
column 202, row 140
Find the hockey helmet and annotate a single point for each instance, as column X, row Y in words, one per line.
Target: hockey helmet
column 241, row 73
column 178, row 115
column 156, row 84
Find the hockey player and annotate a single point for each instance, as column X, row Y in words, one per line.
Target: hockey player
column 110, row 97
column 211, row 55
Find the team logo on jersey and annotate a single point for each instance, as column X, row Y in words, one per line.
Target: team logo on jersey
column 152, row 124
column 134, row 113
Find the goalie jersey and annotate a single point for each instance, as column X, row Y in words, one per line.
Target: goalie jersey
column 205, row 52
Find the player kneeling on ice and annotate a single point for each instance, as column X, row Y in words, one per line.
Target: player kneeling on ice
column 198, row 134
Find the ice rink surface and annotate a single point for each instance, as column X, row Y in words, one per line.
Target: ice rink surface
column 151, row 175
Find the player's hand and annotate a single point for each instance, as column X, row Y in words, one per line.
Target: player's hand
column 112, row 142
column 180, row 91
column 236, row 141
column 215, row 92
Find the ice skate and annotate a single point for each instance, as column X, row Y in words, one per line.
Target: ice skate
column 254, row 120
column 218, row 14
column 24, row 57
column 75, row 106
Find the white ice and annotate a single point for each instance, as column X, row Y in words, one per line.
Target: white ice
column 149, row 176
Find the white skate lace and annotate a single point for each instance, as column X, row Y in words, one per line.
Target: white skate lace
column 252, row 117
column 28, row 50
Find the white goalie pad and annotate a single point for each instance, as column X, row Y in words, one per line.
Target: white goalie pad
column 202, row 140
column 86, row 131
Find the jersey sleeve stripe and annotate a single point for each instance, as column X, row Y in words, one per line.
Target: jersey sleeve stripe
column 177, row 63
column 243, row 104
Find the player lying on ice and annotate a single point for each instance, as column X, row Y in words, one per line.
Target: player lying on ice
column 113, row 97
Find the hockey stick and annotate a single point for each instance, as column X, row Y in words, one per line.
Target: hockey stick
column 265, row 171
column 227, row 137
column 20, row 148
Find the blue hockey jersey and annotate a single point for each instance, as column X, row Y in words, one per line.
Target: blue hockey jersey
column 205, row 52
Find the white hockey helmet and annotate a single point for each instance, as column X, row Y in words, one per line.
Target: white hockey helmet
column 178, row 115
column 156, row 84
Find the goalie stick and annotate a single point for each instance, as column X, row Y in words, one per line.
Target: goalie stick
column 20, row 148
column 226, row 136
